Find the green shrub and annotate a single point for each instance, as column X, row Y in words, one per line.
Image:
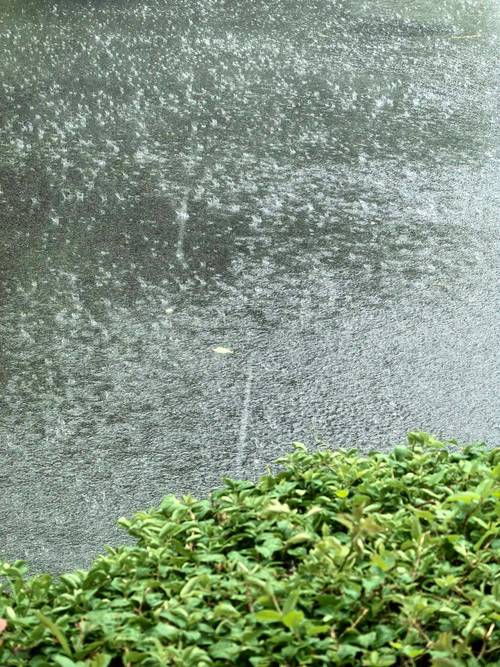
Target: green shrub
column 338, row 559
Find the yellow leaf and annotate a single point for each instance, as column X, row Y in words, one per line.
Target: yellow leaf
column 298, row 538
column 222, row 350
column 276, row 506
column 385, row 562
column 314, row 510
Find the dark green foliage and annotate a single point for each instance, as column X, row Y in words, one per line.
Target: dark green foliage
column 390, row 559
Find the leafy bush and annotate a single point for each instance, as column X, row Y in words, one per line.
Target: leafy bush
column 338, row 559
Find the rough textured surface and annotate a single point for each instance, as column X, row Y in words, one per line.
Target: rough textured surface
column 312, row 187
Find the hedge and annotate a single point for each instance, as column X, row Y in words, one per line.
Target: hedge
column 335, row 559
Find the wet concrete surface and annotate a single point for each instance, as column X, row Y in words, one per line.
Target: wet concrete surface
column 314, row 188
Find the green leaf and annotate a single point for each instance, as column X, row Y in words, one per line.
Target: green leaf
column 366, row 640
column 270, row 545
column 376, row 659
column 469, row 497
column 225, row 610
column 347, row 651
column 416, row 528
column 448, row 581
column 200, row 580
column 268, row 616
column 299, row 446
column 55, row 630
column 225, row 650
column 166, row 630
column 485, row 487
column 63, row 661
column 291, row 601
column 293, row 619
column 424, row 439
column 373, row 582
column 313, row 630
column 413, row 651
column 101, row 660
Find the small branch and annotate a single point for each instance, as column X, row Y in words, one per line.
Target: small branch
column 357, row 621
column 486, row 638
